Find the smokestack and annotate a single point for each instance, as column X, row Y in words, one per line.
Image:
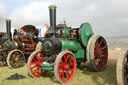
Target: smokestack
column 8, row 28
column 52, row 13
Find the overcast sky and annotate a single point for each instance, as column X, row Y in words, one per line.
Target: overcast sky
column 107, row 17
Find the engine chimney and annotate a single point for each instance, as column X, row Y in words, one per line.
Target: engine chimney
column 8, row 28
column 52, row 13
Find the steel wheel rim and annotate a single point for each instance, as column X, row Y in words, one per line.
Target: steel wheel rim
column 35, row 62
column 100, row 53
column 66, row 67
column 125, row 69
column 16, row 59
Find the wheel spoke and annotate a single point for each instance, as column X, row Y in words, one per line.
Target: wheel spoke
column 66, row 76
column 38, row 73
column 103, row 48
column 65, row 59
column 38, row 57
column 70, row 61
column 102, row 55
column 33, row 63
column 60, row 68
column 68, row 57
column 41, row 57
column 71, row 69
column 61, row 64
column 36, row 70
column 33, row 67
column 68, row 73
column 63, row 76
column 34, row 59
column 70, row 64
column 61, row 73
column 100, row 43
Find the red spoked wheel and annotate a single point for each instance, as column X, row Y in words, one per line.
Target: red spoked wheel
column 65, row 66
column 97, row 53
column 33, row 65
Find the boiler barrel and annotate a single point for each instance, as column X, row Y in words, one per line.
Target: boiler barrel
column 70, row 45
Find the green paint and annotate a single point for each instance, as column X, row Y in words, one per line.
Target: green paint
column 47, row 67
column 66, row 31
column 85, row 33
column 71, row 45
column 79, row 54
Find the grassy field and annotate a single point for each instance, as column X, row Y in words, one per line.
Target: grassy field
column 83, row 76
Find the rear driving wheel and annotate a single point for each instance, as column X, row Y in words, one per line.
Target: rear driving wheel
column 33, row 64
column 15, row 59
column 65, row 66
column 97, row 53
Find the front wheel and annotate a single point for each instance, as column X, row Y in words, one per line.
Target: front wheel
column 65, row 66
column 33, row 64
column 15, row 59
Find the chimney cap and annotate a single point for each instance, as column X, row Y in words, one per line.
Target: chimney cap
column 52, row 7
column 8, row 19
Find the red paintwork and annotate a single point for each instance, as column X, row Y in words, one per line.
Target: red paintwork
column 100, row 55
column 37, row 59
column 66, row 67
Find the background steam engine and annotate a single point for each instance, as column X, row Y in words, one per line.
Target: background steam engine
column 23, row 41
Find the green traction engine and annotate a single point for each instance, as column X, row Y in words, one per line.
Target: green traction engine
column 64, row 48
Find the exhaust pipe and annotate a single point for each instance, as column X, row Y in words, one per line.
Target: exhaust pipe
column 8, row 28
column 52, row 13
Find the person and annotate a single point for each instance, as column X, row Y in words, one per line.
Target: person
column 42, row 32
column 41, row 36
column 12, row 32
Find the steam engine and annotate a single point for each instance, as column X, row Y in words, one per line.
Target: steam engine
column 64, row 48
column 60, row 38
column 23, row 41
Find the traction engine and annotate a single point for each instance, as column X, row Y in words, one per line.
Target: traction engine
column 16, row 48
column 64, row 48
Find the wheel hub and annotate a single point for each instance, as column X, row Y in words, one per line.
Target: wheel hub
column 67, row 67
column 38, row 63
column 16, row 59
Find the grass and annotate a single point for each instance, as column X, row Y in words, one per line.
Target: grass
column 83, row 76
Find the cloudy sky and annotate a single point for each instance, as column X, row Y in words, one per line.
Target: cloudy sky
column 107, row 17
